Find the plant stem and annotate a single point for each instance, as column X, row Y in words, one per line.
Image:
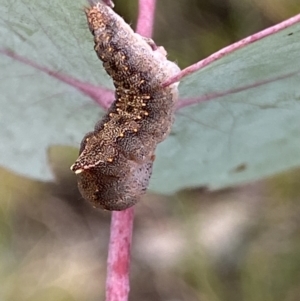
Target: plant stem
column 231, row 48
column 118, row 262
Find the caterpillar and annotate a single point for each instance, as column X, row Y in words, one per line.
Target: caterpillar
column 115, row 160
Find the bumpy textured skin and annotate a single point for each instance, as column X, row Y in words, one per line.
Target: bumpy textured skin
column 115, row 160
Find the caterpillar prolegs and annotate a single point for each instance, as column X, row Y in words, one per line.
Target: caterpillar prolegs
column 115, row 160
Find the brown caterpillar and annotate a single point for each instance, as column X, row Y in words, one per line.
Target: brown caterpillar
column 115, row 160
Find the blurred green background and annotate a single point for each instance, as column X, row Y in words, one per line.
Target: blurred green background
column 242, row 243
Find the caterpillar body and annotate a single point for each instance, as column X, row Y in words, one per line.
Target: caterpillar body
column 115, row 160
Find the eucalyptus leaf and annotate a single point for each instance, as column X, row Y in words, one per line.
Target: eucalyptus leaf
column 242, row 136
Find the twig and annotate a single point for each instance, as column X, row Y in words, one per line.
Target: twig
column 231, row 48
column 118, row 262
column 117, row 282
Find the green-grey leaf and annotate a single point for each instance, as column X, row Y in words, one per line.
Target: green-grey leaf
column 243, row 136
column 236, row 138
column 37, row 110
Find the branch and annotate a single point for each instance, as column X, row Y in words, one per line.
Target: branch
column 145, row 20
column 231, row 48
column 118, row 263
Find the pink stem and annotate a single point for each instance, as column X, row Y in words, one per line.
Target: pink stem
column 145, row 21
column 191, row 101
column 118, row 263
column 231, row 48
column 103, row 97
